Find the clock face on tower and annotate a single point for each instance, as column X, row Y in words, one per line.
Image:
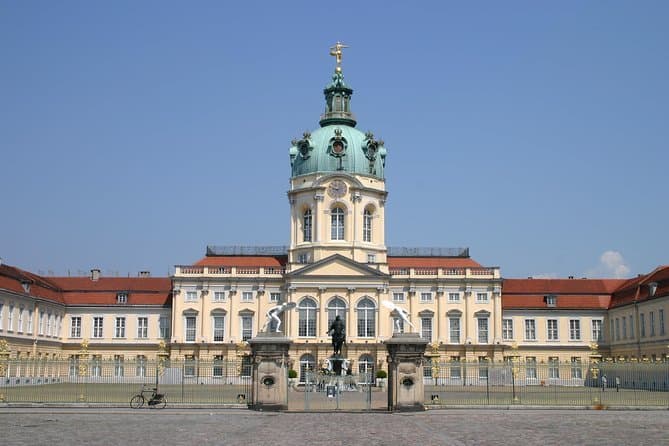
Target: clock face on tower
column 337, row 189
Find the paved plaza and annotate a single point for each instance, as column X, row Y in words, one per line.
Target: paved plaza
column 40, row 426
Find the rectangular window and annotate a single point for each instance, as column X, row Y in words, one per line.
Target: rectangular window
column 303, row 258
column 75, row 327
column 219, row 366
column 247, row 296
column 551, row 300
column 41, row 325
column 96, row 366
column 481, row 298
column 617, row 329
column 2, row 314
column 191, row 296
column 74, row 365
column 142, row 327
column 530, row 330
column 49, row 324
column 189, row 365
column 575, row 329
column 426, row 297
column 631, row 327
column 119, row 328
column 553, row 367
column 247, row 327
column 275, row 297
column 219, row 328
column 507, row 329
column 121, row 298
column 118, row 365
column 454, row 330
column 596, row 325
column 552, row 329
column 456, row 369
column 642, row 324
column 10, row 319
column 483, row 330
column 219, row 296
column 97, row 327
column 483, row 367
column 531, row 367
column 164, row 327
column 576, row 367
column 454, row 297
column 660, row 318
column 651, row 322
column 398, row 297
column 20, row 327
column 191, row 324
column 426, row 328
column 140, row 368
column 30, row 320
column 371, row 258
column 624, row 327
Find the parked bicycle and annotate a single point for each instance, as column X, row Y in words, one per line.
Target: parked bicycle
column 150, row 396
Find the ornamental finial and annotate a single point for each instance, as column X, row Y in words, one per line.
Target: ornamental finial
column 336, row 51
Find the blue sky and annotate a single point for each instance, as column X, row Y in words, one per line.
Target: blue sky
column 535, row 133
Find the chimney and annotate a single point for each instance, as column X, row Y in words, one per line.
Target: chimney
column 145, row 274
column 571, row 277
column 95, row 275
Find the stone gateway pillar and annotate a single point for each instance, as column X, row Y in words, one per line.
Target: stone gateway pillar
column 269, row 389
column 406, row 354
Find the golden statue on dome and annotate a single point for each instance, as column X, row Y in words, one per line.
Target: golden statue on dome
column 337, row 52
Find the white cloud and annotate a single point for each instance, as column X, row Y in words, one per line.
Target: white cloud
column 611, row 264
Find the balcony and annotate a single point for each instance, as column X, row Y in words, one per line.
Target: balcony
column 227, row 271
column 446, row 273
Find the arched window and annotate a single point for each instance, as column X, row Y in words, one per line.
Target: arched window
column 336, row 307
column 366, row 369
column 307, row 364
column 307, row 321
column 306, row 225
column 337, row 224
column 367, row 226
column 366, row 318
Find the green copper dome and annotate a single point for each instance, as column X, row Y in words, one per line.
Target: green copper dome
column 338, row 145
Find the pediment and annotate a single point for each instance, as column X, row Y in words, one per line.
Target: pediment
column 337, row 266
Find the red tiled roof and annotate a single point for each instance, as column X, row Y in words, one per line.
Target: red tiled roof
column 432, row 262
column 261, row 261
column 141, row 290
column 11, row 279
column 563, row 302
column 109, row 298
column 637, row 289
column 561, row 286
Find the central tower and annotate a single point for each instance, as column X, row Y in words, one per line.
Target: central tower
column 337, row 187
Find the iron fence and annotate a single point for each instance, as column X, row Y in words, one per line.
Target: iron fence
column 547, row 384
column 114, row 382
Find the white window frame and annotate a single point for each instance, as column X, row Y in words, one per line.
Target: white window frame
column 307, row 318
column 424, row 329
column 142, row 327
column 98, row 332
column 2, row 315
column 596, row 326
column 483, row 330
column 366, row 326
column 552, row 333
column 660, row 319
column 454, row 297
column 190, row 332
column 426, row 297
column 75, row 327
column 307, row 226
column 275, row 297
column 31, row 314
column 398, row 296
column 451, row 330
column 164, row 330
column 337, row 224
column 245, row 333
column 219, row 296
column 19, row 328
column 507, row 329
column 119, row 327
column 530, row 326
column 220, row 331
column 10, row 318
column 247, row 296
column 122, row 297
column 575, row 330
column 482, row 297
column 190, row 296
column 367, row 226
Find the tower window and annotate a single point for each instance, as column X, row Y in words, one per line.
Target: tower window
column 367, row 226
column 337, row 224
column 307, row 225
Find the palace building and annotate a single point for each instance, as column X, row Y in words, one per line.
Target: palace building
column 335, row 264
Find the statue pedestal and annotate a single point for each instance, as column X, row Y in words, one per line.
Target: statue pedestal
column 269, row 390
column 406, row 391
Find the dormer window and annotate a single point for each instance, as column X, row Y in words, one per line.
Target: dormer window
column 551, row 300
column 122, row 298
